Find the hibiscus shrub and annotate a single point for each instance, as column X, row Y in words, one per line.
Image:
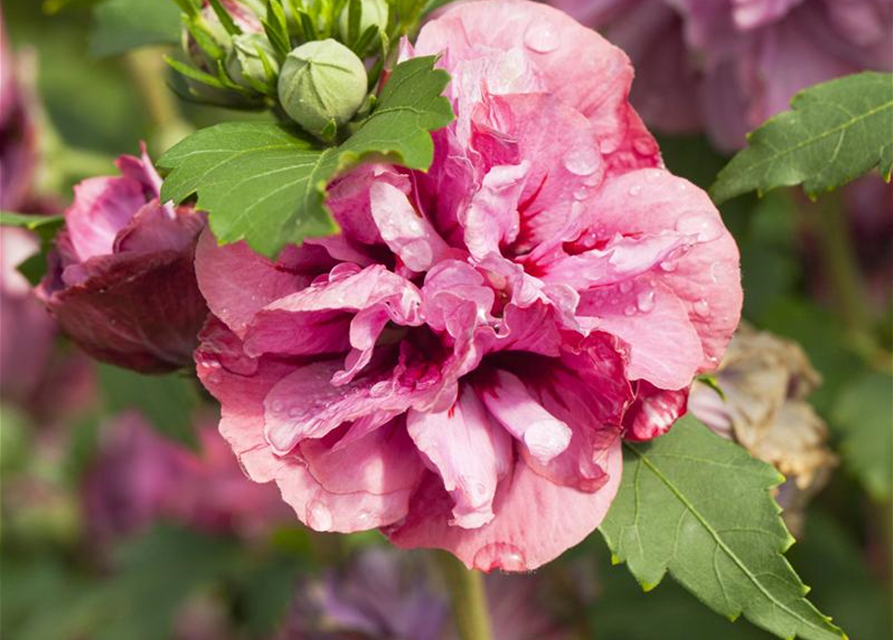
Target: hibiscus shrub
column 447, row 292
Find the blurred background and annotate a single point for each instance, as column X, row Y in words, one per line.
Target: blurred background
column 126, row 517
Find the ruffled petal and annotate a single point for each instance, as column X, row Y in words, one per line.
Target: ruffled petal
column 446, row 440
column 535, row 519
column 242, row 399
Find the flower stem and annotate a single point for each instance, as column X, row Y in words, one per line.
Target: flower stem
column 469, row 601
column 148, row 70
column 842, row 270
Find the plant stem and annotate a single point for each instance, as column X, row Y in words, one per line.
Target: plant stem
column 842, row 269
column 469, row 601
column 148, row 70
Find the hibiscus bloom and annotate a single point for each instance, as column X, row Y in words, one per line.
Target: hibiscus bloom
column 121, row 281
column 459, row 366
column 139, row 478
column 725, row 66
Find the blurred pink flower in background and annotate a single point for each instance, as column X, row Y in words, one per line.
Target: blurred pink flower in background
column 725, row 66
column 121, row 281
column 459, row 366
column 139, row 478
column 18, row 133
column 26, row 331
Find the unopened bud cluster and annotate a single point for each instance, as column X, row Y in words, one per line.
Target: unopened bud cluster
column 320, row 84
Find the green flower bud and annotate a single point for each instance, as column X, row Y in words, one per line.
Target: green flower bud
column 246, row 66
column 322, row 85
column 375, row 12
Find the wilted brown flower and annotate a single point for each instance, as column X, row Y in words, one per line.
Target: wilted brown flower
column 765, row 380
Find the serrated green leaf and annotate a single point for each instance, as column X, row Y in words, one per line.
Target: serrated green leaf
column 265, row 183
column 835, row 132
column 697, row 506
column 121, row 25
column 862, row 416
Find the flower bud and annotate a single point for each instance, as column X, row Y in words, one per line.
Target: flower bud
column 374, row 13
column 218, row 43
column 322, row 84
column 244, row 63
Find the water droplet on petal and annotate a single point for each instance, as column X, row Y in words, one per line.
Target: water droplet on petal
column 635, row 190
column 594, row 180
column 542, row 37
column 653, row 175
column 500, row 555
column 645, row 301
column 318, row 516
column 582, row 160
column 701, row 224
column 630, row 310
column 276, row 406
column 626, row 286
column 380, row 389
column 669, row 265
column 702, row 308
column 215, row 378
column 581, row 193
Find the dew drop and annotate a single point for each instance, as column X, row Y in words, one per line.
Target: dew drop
column 704, row 226
column 277, row 406
column 581, row 161
column 669, row 265
column 630, row 310
column 635, row 190
column 581, row 193
column 500, row 555
column 645, row 301
column 593, row 180
column 702, row 308
column 380, row 389
column 626, row 286
column 319, row 517
column 215, row 378
column 542, row 37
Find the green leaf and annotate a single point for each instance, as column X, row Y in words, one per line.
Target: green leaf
column 265, row 183
column 861, row 416
column 157, row 573
column 45, row 227
column 168, row 401
column 698, row 506
column 836, row 132
column 122, row 25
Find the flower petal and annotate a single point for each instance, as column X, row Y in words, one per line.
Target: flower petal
column 535, row 519
column 468, row 451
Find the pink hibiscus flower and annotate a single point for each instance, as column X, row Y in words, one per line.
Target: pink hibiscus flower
column 121, row 282
column 458, row 367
